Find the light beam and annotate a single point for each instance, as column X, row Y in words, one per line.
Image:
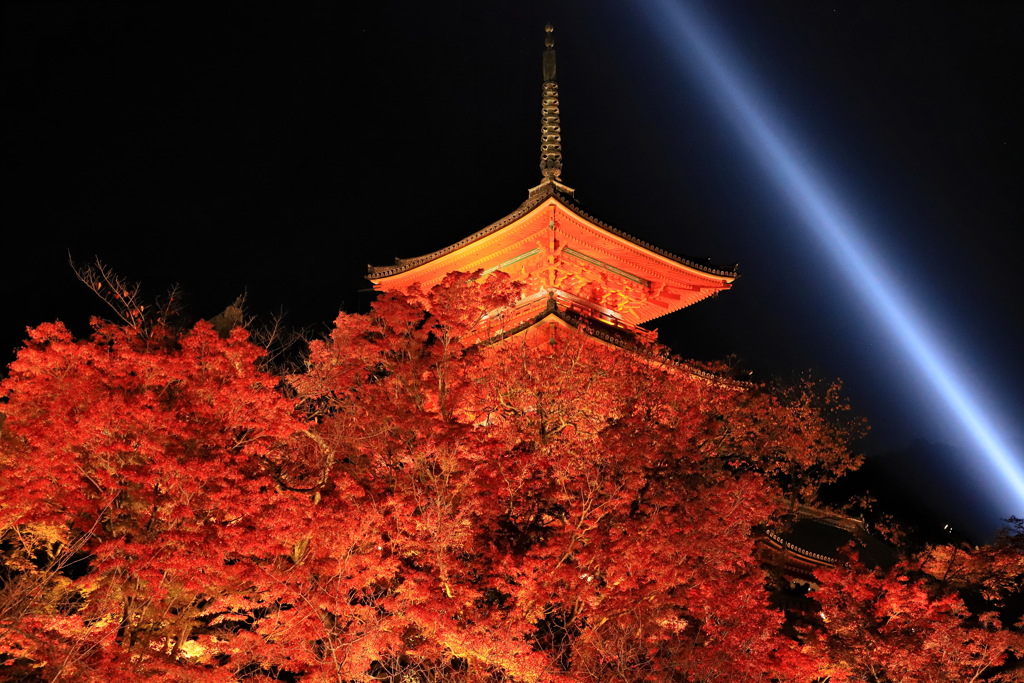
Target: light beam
column 694, row 45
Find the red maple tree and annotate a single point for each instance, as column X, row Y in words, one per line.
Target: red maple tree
column 415, row 506
column 134, row 493
column 935, row 618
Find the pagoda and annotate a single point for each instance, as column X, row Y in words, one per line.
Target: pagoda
column 574, row 269
column 578, row 272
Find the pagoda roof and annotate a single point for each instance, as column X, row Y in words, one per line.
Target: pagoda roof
column 550, row 244
column 552, row 310
column 538, row 196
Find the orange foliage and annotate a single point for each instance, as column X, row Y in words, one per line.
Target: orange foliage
column 413, row 506
column 905, row 625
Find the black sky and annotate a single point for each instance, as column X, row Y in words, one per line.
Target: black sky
column 276, row 149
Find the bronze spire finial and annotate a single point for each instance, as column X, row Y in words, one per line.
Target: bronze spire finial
column 551, row 128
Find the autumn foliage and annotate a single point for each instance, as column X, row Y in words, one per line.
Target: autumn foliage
column 936, row 617
column 420, row 506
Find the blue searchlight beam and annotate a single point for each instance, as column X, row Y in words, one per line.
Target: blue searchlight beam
column 692, row 40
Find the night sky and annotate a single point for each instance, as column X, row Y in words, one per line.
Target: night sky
column 276, row 149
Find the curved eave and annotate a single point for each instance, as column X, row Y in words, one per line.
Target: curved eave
column 618, row 337
column 403, row 265
column 704, row 295
column 781, row 544
column 537, row 197
column 731, row 272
